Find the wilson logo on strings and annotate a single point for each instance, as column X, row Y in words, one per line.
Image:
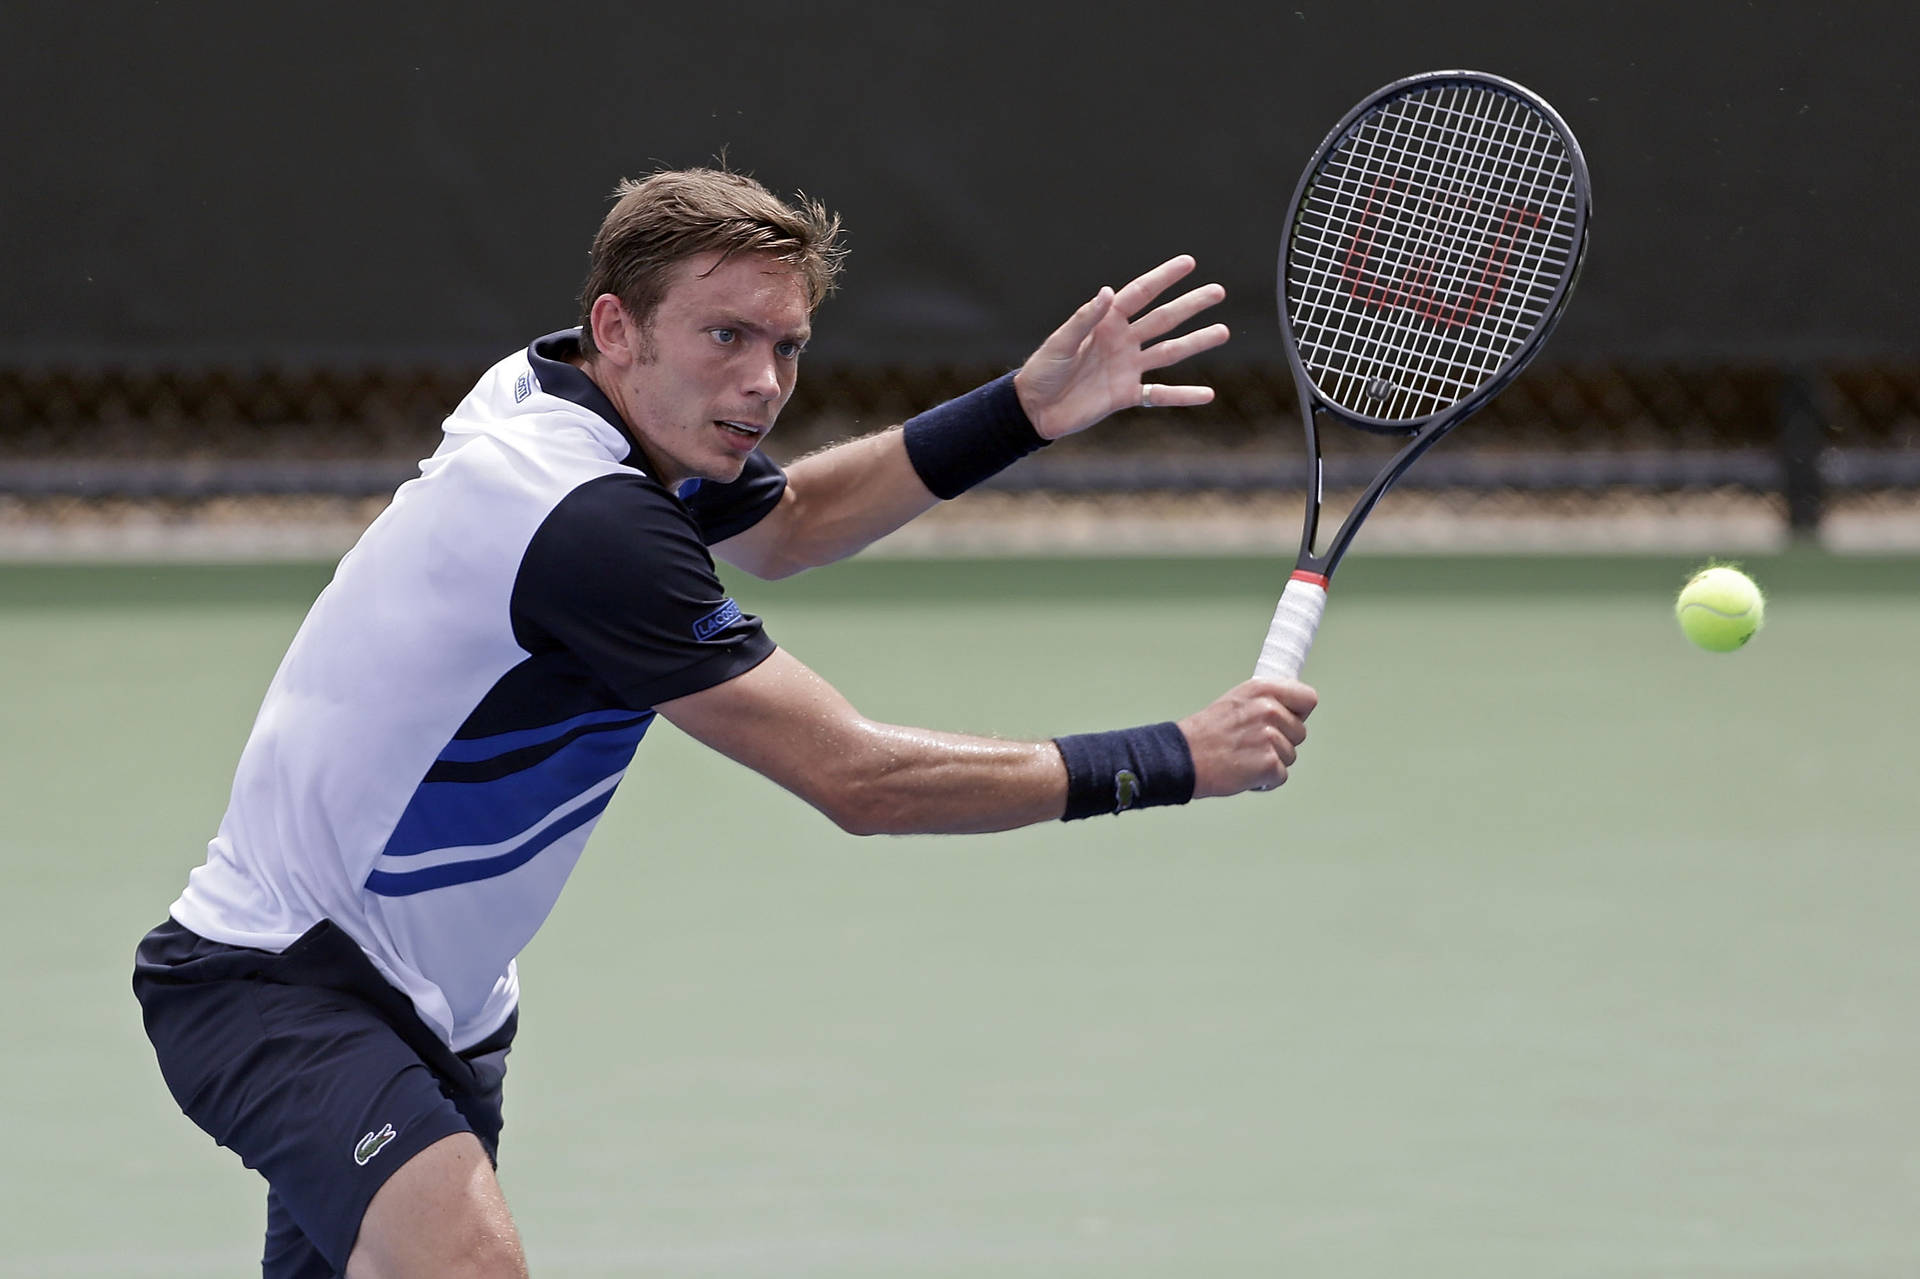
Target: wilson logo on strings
column 1384, row 270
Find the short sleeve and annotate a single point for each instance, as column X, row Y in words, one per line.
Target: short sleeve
column 722, row 510
column 618, row 574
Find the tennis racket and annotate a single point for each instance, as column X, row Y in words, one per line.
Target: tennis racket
column 1431, row 246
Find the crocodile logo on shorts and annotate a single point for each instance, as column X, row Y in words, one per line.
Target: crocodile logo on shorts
column 372, row 1144
column 1126, row 789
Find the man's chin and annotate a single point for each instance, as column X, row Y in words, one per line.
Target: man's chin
column 722, row 470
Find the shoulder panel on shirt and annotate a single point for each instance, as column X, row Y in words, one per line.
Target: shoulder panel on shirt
column 618, row 576
column 722, row 510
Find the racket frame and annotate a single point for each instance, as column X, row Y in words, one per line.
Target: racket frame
column 1317, row 569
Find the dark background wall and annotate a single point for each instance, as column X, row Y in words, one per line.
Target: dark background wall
column 189, row 184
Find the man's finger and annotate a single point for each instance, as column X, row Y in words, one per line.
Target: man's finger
column 1174, row 350
column 1165, row 319
column 1067, row 338
column 1133, row 298
column 1155, row 396
column 1291, row 693
column 1298, row 698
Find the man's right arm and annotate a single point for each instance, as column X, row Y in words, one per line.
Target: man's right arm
column 787, row 723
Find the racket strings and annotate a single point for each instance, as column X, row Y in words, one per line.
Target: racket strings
column 1416, row 192
column 1428, row 248
column 1433, row 212
column 1419, row 186
column 1460, row 264
column 1428, row 224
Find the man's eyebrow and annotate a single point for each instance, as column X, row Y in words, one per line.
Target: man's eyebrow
column 729, row 321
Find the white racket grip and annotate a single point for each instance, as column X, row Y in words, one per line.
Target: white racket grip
column 1290, row 636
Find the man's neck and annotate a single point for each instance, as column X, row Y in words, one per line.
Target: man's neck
column 590, row 366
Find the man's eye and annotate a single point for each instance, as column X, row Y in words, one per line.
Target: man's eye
column 789, row 350
column 724, row 337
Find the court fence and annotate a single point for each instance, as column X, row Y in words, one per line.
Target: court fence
column 1805, row 440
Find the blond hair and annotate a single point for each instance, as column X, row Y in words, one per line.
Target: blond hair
column 659, row 221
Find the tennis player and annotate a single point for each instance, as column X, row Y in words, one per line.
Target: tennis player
column 333, row 994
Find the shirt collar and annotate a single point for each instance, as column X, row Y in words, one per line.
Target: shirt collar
column 550, row 356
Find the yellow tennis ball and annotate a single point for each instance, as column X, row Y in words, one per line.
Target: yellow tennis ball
column 1720, row 608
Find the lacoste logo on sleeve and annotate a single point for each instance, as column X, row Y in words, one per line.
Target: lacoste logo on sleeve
column 372, row 1144
column 719, row 620
column 1126, row 789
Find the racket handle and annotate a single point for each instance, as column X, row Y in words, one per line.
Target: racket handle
column 1291, row 634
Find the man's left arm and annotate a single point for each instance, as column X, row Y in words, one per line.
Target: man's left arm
column 843, row 499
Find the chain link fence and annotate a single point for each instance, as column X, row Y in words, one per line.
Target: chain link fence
column 1776, row 450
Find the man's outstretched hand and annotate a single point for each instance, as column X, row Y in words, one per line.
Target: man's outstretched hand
column 1097, row 363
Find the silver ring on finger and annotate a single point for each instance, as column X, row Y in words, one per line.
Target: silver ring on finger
column 1146, row 397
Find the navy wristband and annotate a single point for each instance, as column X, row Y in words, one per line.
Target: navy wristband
column 954, row 446
column 1141, row 767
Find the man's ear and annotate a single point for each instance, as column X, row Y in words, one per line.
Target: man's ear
column 615, row 335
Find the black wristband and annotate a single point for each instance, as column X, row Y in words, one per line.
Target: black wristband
column 1141, row 767
column 954, row 446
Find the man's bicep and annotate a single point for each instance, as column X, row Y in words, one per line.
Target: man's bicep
column 836, row 503
column 781, row 720
column 760, row 548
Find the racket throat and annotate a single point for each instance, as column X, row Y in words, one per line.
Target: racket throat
column 1310, row 526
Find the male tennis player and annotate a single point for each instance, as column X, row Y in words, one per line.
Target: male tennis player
column 334, row 992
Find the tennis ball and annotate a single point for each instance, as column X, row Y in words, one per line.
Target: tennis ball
column 1720, row 608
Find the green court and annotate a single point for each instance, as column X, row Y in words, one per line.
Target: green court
column 1567, row 951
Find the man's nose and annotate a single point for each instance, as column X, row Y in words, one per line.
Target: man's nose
column 763, row 378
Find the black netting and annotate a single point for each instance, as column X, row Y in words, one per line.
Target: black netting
column 1571, row 429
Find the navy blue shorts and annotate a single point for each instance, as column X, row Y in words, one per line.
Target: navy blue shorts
column 315, row 1071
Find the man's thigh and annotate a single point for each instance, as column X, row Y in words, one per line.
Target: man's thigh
column 440, row 1214
column 309, row 1086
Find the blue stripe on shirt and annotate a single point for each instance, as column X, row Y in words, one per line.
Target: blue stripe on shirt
column 407, row 883
column 458, row 814
column 473, row 749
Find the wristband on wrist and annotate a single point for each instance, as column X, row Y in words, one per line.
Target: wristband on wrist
column 954, row 446
column 1143, row 767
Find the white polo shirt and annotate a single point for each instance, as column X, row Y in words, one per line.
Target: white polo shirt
column 459, row 705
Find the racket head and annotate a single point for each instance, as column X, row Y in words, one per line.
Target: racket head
column 1430, row 247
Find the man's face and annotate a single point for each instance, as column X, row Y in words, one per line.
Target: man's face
column 718, row 366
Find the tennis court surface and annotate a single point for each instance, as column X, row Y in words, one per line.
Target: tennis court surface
column 1567, row 951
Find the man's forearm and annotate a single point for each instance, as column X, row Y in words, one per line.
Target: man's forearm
column 783, row 721
column 905, row 781
column 786, row 723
